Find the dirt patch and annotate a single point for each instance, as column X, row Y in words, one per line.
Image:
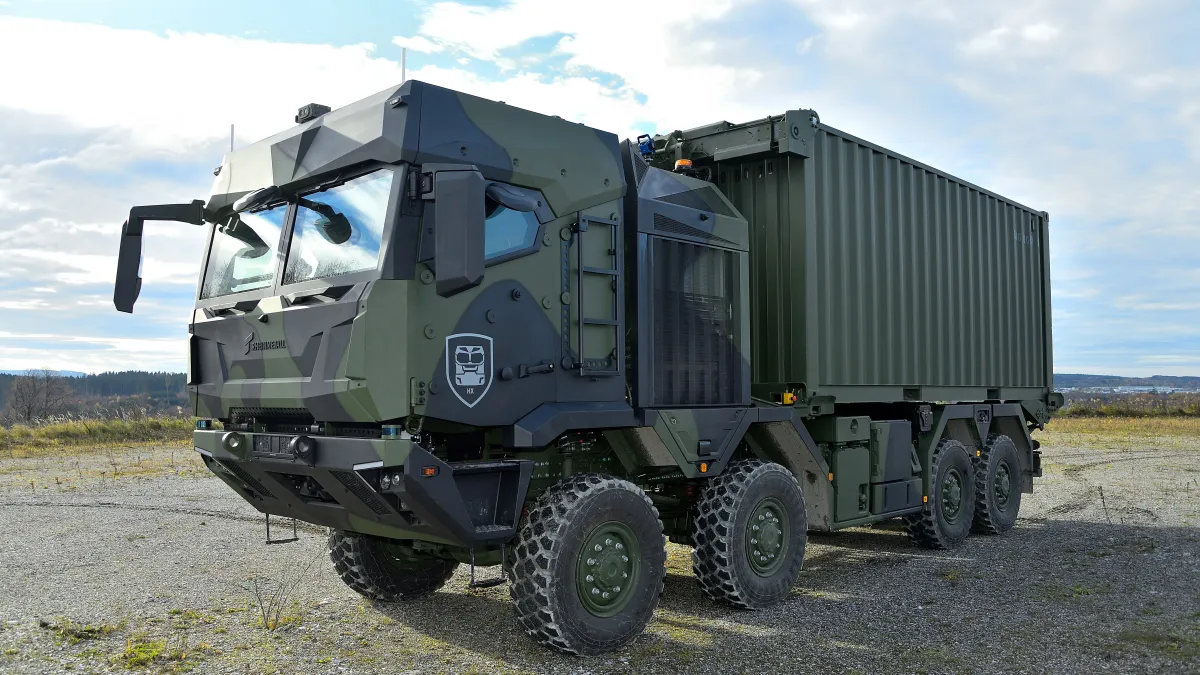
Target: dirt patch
column 138, row 559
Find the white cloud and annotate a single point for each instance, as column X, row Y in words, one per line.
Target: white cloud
column 1089, row 110
column 173, row 91
column 418, row 44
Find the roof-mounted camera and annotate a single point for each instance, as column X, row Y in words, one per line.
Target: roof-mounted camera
column 311, row 112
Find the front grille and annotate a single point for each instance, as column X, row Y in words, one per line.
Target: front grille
column 295, row 416
column 359, row 488
column 247, row 479
column 694, row 295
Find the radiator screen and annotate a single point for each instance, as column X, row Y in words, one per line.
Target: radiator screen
column 696, row 358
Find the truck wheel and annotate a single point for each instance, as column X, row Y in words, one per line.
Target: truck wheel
column 946, row 519
column 751, row 528
column 587, row 567
column 997, row 486
column 382, row 569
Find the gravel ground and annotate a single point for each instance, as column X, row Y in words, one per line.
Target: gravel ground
column 137, row 558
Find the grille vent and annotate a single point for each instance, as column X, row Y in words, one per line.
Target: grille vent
column 667, row 224
column 359, row 488
column 696, row 357
column 289, row 415
column 246, row 478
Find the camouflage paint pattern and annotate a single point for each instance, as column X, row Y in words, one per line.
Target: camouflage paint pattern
column 383, row 347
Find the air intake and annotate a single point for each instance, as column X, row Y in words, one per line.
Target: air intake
column 694, row 297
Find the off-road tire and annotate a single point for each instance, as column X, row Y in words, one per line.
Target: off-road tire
column 367, row 566
column 545, row 563
column 995, row 514
column 721, row 557
column 933, row 527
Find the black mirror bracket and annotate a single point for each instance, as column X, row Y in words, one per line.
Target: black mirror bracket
column 129, row 260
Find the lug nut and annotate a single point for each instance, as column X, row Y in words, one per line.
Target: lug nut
column 753, row 541
column 624, row 558
column 616, row 589
column 595, row 591
column 624, row 575
column 599, row 547
column 604, row 595
column 755, row 528
column 590, row 578
column 608, row 542
column 591, row 562
column 620, row 546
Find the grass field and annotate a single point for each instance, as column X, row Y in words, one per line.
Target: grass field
column 25, row 441
column 87, row 436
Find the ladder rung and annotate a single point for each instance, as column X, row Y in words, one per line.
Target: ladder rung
column 600, row 322
column 600, row 270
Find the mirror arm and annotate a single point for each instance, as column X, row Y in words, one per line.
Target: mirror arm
column 129, row 260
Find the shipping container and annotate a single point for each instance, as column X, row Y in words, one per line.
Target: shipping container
column 875, row 277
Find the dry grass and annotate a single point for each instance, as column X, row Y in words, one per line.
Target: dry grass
column 1122, row 432
column 25, row 441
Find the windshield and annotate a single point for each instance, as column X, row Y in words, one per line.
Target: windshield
column 339, row 230
column 243, row 253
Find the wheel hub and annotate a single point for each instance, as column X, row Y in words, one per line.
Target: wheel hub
column 952, row 494
column 767, row 536
column 1002, row 484
column 607, row 569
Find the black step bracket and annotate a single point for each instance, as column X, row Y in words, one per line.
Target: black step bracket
column 295, row 534
column 487, row 583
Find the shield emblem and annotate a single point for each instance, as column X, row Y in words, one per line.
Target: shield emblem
column 469, row 366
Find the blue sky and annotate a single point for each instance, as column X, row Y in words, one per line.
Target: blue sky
column 1089, row 110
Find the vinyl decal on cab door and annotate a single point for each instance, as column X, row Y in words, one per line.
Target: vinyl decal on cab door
column 469, row 366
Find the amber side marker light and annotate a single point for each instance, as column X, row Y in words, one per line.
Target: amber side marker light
column 429, row 471
column 925, row 499
column 703, row 467
column 831, row 477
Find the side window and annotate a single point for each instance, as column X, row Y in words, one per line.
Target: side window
column 507, row 231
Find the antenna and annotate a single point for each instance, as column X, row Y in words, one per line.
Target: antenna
column 231, row 137
column 404, row 64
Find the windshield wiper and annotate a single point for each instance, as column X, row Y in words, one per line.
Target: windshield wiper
column 334, row 225
column 246, row 234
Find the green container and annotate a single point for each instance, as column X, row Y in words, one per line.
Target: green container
column 875, row 277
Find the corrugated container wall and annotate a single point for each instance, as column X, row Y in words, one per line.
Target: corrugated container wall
column 871, row 270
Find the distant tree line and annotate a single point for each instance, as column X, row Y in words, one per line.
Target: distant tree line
column 41, row 394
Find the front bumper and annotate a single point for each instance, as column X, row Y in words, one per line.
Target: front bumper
column 339, row 485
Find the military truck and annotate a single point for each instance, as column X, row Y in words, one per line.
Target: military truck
column 458, row 332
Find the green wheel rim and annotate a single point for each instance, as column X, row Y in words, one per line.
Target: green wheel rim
column 607, row 568
column 767, row 537
column 952, row 494
column 1003, row 484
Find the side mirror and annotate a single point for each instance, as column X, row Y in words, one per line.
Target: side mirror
column 458, row 230
column 129, row 260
